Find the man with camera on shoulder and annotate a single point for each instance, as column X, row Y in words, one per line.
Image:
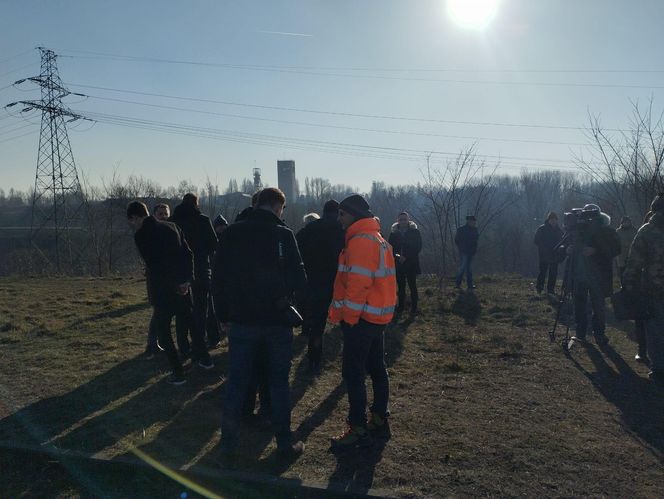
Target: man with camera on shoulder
column 594, row 246
column 257, row 270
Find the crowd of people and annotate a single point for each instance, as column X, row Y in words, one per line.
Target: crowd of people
column 592, row 249
column 255, row 281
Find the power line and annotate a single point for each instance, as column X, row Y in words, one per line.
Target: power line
column 16, row 56
column 106, row 55
column 338, row 127
column 246, row 137
column 339, row 113
column 32, row 64
column 17, row 137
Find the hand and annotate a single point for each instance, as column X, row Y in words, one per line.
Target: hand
column 588, row 251
column 183, row 288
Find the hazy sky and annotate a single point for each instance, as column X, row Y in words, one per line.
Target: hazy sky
column 343, row 73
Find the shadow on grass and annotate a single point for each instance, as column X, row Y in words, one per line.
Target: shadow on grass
column 640, row 401
column 354, row 472
column 467, row 306
column 112, row 314
column 45, row 419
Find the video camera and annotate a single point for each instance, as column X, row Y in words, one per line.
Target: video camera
column 577, row 218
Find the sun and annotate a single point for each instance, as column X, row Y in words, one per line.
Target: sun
column 472, row 14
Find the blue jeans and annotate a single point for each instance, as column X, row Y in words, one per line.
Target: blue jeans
column 655, row 336
column 364, row 352
column 464, row 268
column 244, row 342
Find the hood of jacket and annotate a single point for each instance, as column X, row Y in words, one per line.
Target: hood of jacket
column 605, row 219
column 262, row 215
column 186, row 210
column 363, row 226
column 411, row 225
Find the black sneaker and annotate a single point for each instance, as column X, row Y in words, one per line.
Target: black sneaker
column 379, row 426
column 176, row 379
column 206, row 363
column 353, row 438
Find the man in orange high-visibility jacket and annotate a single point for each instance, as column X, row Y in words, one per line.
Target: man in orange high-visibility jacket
column 365, row 296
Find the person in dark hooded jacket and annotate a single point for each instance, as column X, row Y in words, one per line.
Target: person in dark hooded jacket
column 547, row 238
column 202, row 240
column 320, row 243
column 644, row 277
column 406, row 243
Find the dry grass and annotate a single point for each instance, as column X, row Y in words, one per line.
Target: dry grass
column 482, row 403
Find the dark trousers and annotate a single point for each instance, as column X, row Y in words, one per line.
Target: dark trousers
column 551, row 269
column 583, row 291
column 315, row 321
column 364, row 352
column 258, row 385
column 243, row 344
column 465, row 268
column 192, row 319
column 163, row 313
column 411, row 279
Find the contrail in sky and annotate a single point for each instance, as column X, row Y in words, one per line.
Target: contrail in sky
column 283, row 33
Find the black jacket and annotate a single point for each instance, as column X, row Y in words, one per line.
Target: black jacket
column 167, row 257
column 200, row 235
column 409, row 245
column 320, row 243
column 252, row 280
column 466, row 239
column 546, row 238
column 596, row 269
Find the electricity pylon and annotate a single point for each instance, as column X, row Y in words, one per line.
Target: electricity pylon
column 58, row 199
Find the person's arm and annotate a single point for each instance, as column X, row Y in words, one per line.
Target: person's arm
column 636, row 262
column 538, row 236
column 210, row 237
column 220, row 277
column 296, row 275
column 186, row 260
column 417, row 242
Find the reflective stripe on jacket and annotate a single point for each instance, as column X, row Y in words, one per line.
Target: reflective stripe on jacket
column 365, row 286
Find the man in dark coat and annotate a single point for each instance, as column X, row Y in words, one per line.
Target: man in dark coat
column 257, row 270
column 593, row 251
column 547, row 237
column 169, row 264
column 406, row 243
column 202, row 240
column 466, row 241
column 320, row 243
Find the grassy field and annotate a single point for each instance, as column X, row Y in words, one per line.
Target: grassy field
column 483, row 404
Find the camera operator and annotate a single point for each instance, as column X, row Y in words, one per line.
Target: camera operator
column 595, row 244
column 646, row 262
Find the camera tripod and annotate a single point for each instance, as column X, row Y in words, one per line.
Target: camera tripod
column 565, row 300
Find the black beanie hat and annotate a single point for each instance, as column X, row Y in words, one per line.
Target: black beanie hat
column 331, row 206
column 357, row 206
column 658, row 203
